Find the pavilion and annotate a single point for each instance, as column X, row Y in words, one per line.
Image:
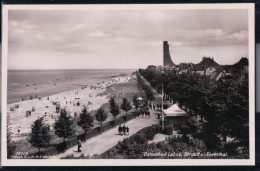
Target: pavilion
column 175, row 116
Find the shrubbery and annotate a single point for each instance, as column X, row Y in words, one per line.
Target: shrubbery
column 168, row 129
column 185, row 129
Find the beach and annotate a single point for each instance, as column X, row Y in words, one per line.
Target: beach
column 74, row 100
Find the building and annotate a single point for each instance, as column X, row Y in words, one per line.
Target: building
column 216, row 75
column 210, row 70
column 184, row 68
column 175, row 116
column 206, row 67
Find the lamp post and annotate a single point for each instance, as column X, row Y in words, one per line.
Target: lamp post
column 162, row 110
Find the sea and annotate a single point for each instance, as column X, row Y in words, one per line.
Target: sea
column 26, row 83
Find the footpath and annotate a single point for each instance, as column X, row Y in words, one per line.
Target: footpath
column 101, row 143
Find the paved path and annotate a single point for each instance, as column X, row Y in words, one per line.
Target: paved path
column 101, row 143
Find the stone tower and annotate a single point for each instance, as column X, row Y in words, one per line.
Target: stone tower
column 167, row 61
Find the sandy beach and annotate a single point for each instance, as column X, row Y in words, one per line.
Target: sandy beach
column 44, row 107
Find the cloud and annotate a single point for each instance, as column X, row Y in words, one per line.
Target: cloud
column 242, row 35
column 78, row 27
column 97, row 34
column 125, row 35
column 209, row 32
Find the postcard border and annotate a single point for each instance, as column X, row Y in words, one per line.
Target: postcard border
column 132, row 162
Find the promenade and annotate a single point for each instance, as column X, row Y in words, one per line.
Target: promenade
column 101, row 143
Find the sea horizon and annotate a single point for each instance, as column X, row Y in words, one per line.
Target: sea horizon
column 25, row 83
column 73, row 69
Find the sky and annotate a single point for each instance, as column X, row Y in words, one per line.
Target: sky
column 124, row 39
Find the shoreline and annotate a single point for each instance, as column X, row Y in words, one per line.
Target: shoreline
column 22, row 85
column 88, row 96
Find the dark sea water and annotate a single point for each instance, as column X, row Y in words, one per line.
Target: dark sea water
column 24, row 83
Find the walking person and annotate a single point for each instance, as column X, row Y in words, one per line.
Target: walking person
column 19, row 129
column 124, row 129
column 127, row 130
column 79, row 146
column 153, row 106
column 119, row 129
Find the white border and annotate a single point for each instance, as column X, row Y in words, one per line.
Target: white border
column 132, row 162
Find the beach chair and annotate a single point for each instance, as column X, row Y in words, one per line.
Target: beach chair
column 57, row 107
column 11, row 108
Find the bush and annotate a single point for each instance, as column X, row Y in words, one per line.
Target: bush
column 150, row 132
column 185, row 138
column 61, row 147
column 231, row 148
column 198, row 144
column 113, row 123
column 168, row 129
column 124, row 117
column 185, row 129
column 99, row 129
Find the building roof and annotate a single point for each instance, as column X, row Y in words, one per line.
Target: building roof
column 205, row 63
column 215, row 74
column 174, row 111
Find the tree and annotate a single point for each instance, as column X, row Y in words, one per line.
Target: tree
column 101, row 115
column 40, row 135
column 135, row 101
column 126, row 106
column 85, row 120
column 64, row 125
column 114, row 109
column 149, row 94
column 10, row 144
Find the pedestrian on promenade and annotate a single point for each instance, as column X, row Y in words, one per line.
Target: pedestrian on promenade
column 19, row 129
column 150, row 105
column 127, row 130
column 153, row 106
column 138, row 115
column 79, row 146
column 124, row 129
column 142, row 112
column 119, row 129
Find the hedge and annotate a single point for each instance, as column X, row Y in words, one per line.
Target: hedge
column 61, row 147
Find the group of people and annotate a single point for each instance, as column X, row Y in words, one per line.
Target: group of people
column 123, row 130
column 143, row 113
column 159, row 106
